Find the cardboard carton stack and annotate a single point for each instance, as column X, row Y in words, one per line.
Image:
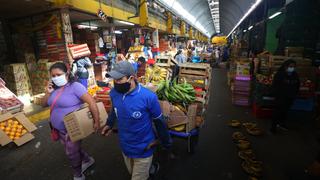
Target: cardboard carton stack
column 41, row 76
column 241, row 87
column 51, row 44
column 17, row 79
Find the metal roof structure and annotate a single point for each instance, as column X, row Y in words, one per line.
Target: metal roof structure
column 212, row 16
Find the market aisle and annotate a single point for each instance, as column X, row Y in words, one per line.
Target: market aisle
column 215, row 157
column 283, row 155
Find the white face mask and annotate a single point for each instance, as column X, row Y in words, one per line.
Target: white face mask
column 60, row 80
column 290, row 69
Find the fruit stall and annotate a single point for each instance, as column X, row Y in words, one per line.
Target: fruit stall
column 14, row 125
column 250, row 79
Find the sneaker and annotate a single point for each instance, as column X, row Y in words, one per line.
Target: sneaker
column 86, row 165
column 283, row 127
column 82, row 177
column 154, row 169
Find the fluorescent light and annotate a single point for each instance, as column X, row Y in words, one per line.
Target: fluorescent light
column 250, row 28
column 275, row 15
column 126, row 23
column 178, row 9
column 117, row 32
column 253, row 7
column 244, row 30
column 82, row 26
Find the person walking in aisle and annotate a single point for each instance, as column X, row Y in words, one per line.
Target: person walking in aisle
column 179, row 57
column 64, row 96
column 80, row 70
column 285, row 87
column 136, row 110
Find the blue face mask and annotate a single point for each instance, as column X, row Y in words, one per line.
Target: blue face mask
column 290, row 69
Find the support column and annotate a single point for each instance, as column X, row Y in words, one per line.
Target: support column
column 169, row 23
column 183, row 28
column 66, row 30
column 144, row 14
column 190, row 33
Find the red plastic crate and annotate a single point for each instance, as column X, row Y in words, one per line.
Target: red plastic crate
column 260, row 112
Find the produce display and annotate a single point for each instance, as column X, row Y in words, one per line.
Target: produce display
column 6, row 103
column 249, row 164
column 156, row 74
column 8, row 100
column 182, row 93
column 234, row 123
column 267, row 80
column 93, row 90
column 13, row 129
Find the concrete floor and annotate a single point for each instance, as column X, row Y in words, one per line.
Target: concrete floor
column 283, row 155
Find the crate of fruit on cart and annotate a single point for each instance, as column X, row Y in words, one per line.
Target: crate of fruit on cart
column 15, row 128
column 195, row 81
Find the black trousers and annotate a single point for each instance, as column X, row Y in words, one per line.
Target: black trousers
column 282, row 106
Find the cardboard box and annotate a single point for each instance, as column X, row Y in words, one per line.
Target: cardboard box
column 23, row 120
column 79, row 124
column 178, row 117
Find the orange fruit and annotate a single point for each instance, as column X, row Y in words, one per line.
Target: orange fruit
column 19, row 130
column 18, row 134
column 7, row 129
column 23, row 132
column 12, row 133
column 14, row 125
column 11, row 137
column 15, row 122
column 19, row 126
column 10, row 121
column 2, row 128
column 2, row 124
column 14, row 129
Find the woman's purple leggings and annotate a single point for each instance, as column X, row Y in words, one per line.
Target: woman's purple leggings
column 74, row 153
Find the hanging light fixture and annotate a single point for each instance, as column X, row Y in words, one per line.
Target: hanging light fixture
column 252, row 8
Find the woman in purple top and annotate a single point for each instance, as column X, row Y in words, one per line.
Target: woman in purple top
column 64, row 96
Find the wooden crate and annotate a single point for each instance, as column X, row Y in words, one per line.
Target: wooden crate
column 164, row 61
column 276, row 61
column 195, row 81
column 195, row 69
column 294, row 51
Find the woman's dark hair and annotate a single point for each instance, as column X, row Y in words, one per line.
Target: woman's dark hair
column 142, row 60
column 64, row 68
column 286, row 64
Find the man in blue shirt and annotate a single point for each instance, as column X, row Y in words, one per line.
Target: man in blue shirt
column 136, row 108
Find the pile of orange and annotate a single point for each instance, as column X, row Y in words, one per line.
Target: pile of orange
column 13, row 129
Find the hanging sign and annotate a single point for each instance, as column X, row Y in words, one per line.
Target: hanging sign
column 102, row 15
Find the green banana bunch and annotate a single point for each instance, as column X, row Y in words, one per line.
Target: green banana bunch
column 183, row 93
